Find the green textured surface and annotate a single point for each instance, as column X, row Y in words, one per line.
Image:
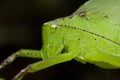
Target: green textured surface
column 93, row 48
column 102, row 49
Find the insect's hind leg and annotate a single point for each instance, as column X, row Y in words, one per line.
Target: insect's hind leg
column 21, row 53
column 44, row 64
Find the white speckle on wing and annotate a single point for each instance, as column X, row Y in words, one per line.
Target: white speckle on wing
column 54, row 26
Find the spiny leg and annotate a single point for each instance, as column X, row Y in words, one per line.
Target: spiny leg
column 44, row 64
column 21, row 53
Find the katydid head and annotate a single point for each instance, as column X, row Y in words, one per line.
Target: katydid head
column 52, row 40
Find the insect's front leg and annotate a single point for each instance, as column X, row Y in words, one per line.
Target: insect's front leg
column 21, row 53
column 47, row 63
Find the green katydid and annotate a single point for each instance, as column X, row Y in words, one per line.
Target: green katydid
column 91, row 34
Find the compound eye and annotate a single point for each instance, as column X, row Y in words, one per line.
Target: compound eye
column 50, row 28
column 54, row 25
column 53, row 28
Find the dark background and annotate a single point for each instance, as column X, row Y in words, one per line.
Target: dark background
column 20, row 28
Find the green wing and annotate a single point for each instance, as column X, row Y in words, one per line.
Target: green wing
column 103, row 8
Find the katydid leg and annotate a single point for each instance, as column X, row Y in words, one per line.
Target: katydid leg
column 21, row 53
column 45, row 63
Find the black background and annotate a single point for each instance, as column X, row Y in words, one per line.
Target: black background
column 20, row 28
